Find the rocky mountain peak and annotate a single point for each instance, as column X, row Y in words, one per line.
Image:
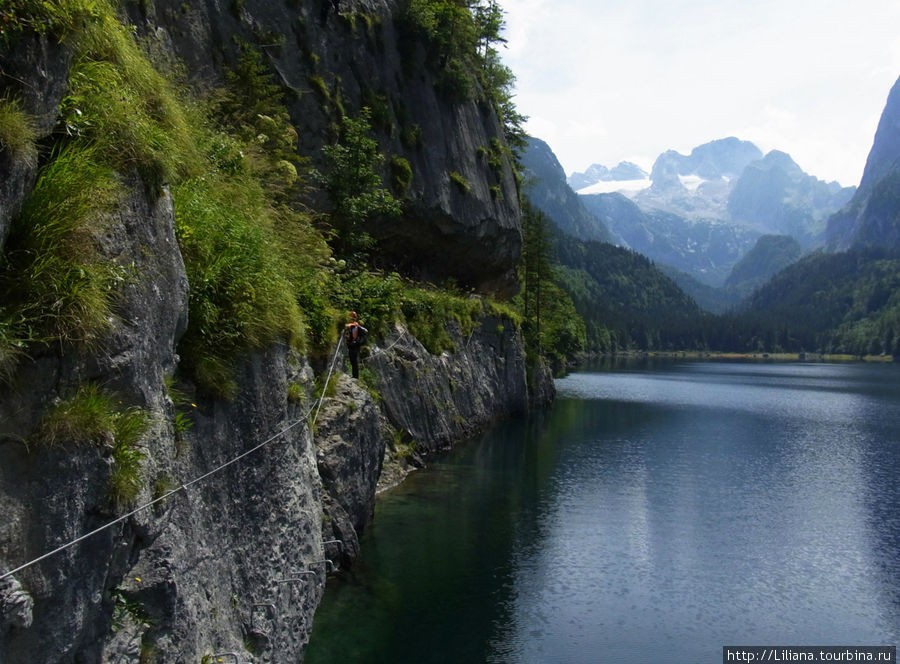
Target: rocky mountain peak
column 884, row 157
column 725, row 157
column 626, row 170
column 545, row 185
column 776, row 159
column 870, row 219
column 722, row 158
column 623, row 171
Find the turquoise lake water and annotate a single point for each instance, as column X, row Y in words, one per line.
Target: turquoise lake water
column 657, row 512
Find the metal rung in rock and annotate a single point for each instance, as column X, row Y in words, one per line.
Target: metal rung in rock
column 298, row 576
column 328, row 564
column 340, row 543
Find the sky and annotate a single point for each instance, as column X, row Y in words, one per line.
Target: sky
column 604, row 81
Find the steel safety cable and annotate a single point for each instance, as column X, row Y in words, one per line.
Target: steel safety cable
column 182, row 487
column 385, row 350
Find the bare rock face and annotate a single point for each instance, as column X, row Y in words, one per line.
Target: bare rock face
column 234, row 560
column 349, row 452
column 16, row 605
column 461, row 215
column 51, row 495
column 424, row 403
column 870, row 219
column 35, row 74
column 440, row 399
column 231, row 558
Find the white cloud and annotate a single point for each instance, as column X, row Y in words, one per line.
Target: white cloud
column 602, row 81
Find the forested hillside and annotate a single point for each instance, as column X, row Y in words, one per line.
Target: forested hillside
column 770, row 254
column 626, row 302
column 847, row 302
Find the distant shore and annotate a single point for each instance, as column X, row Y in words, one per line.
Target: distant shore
column 777, row 357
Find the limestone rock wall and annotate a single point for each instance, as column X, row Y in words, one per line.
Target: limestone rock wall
column 339, row 62
column 234, row 559
column 439, row 399
column 233, row 556
column 231, row 561
column 36, row 74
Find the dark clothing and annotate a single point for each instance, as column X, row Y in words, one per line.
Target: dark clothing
column 355, row 336
column 354, row 360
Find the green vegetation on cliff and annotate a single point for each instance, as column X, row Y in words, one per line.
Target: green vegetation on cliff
column 259, row 265
column 54, row 285
column 459, row 40
column 17, row 131
column 56, row 19
column 240, row 296
column 246, row 253
column 354, row 186
column 92, row 416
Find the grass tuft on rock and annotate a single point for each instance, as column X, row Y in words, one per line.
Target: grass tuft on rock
column 93, row 416
column 18, row 131
column 54, row 285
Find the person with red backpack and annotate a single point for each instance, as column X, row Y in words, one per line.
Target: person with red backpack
column 355, row 336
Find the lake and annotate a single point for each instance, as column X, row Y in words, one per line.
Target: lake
column 658, row 511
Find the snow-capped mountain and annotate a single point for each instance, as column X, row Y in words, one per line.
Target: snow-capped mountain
column 728, row 181
column 614, row 179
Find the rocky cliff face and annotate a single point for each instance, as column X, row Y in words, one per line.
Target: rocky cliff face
column 435, row 400
column 774, row 195
column 465, row 227
column 234, row 562
column 244, row 505
column 545, row 185
column 869, row 219
column 36, row 74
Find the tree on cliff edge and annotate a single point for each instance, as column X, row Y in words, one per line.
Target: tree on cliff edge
column 353, row 185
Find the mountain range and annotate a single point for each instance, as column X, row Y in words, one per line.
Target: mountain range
column 624, row 171
column 728, row 181
column 802, row 264
column 697, row 215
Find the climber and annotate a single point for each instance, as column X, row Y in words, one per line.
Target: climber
column 355, row 336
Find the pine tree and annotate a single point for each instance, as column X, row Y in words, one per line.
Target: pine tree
column 538, row 271
column 354, row 186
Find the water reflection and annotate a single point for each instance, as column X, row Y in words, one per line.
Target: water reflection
column 652, row 515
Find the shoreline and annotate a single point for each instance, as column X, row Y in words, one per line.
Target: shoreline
column 768, row 357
